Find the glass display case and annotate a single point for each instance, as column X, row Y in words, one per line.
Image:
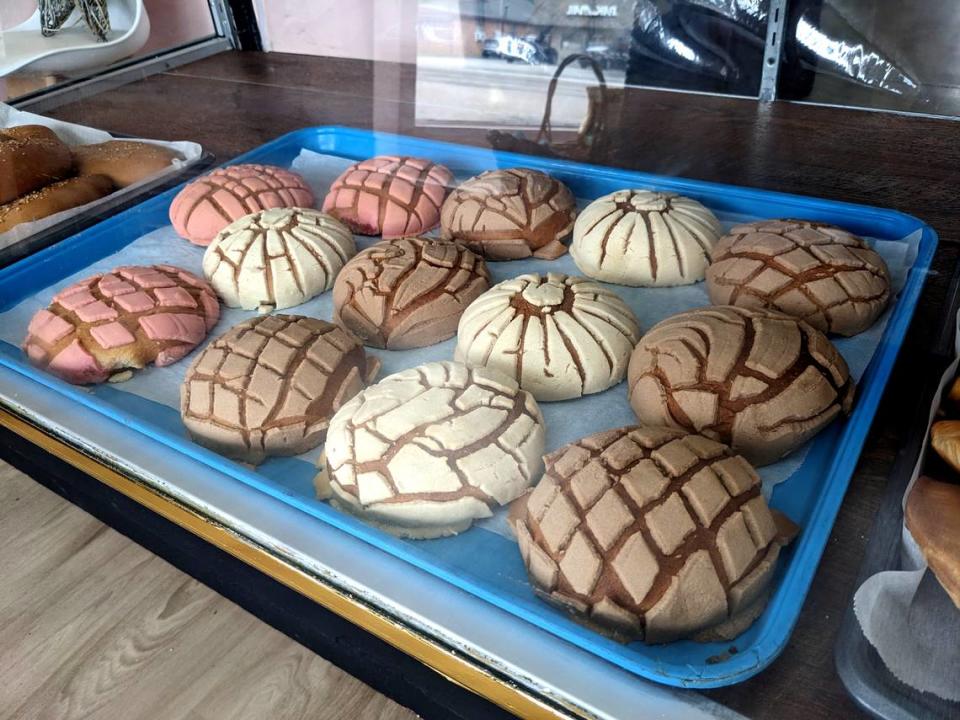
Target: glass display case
column 564, row 347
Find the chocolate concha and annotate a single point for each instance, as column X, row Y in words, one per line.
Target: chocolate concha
column 559, row 336
column 392, row 196
column 408, row 292
column 278, row 258
column 644, row 238
column 758, row 380
column 106, row 326
column 425, row 452
column 652, row 534
column 812, row 271
column 510, row 214
column 270, row 385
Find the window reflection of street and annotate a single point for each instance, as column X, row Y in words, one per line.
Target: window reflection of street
column 488, row 62
column 490, row 93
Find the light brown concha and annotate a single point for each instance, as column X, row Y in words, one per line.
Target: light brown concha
column 510, row 214
column 270, row 385
column 408, row 292
column 812, row 271
column 652, row 534
column 758, row 380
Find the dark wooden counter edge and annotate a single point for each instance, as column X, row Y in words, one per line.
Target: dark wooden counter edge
column 236, row 101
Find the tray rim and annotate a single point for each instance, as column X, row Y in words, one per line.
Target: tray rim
column 840, row 468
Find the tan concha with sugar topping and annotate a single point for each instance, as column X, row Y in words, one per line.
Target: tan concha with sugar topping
column 271, row 384
column 425, row 452
column 510, row 214
column 558, row 335
column 651, row 533
column 812, row 271
column 758, row 380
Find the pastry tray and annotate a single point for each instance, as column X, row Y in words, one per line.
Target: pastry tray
column 110, row 205
column 483, row 563
column 860, row 667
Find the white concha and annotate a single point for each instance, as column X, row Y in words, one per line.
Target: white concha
column 278, row 258
column 425, row 452
column 559, row 336
column 645, row 239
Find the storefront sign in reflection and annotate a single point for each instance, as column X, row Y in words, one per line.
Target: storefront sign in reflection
column 592, row 10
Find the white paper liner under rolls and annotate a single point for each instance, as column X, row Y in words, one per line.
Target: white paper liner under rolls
column 72, row 134
column 906, row 614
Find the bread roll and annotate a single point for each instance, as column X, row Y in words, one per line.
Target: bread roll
column 945, row 439
column 933, row 517
column 123, row 161
column 31, row 156
column 54, row 198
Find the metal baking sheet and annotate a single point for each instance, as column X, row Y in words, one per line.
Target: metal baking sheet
column 811, row 496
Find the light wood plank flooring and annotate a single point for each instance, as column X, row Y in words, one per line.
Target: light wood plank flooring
column 93, row 626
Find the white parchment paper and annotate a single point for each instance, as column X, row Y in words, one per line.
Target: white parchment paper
column 73, row 134
column 906, row 614
column 565, row 421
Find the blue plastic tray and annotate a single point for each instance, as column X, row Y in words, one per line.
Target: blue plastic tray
column 812, row 496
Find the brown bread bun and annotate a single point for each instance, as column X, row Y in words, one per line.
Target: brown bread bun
column 31, row 156
column 123, row 161
column 945, row 439
column 933, row 517
column 54, row 198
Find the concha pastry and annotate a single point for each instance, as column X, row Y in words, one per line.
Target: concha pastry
column 425, row 452
column 408, row 292
column 813, row 271
column 510, row 214
column 644, row 238
column 652, row 534
column 390, row 196
column 270, row 385
column 105, row 326
column 758, row 380
column 276, row 259
column 559, row 336
column 208, row 204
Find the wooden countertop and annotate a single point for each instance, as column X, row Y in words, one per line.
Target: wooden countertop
column 235, row 101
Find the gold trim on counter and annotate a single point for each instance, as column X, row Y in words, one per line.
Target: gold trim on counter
column 454, row 667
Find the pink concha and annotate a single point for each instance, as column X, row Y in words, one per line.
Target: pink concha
column 210, row 203
column 74, row 364
column 123, row 319
column 390, row 196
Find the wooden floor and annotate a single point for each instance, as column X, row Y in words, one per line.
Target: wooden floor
column 93, row 626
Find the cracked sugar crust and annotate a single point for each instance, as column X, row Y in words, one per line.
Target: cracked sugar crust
column 269, row 386
column 104, row 326
column 510, row 214
column 649, row 533
column 758, row 380
column 426, row 451
column 559, row 336
column 277, row 258
column 645, row 239
column 409, row 292
column 392, row 196
column 208, row 204
column 815, row 272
